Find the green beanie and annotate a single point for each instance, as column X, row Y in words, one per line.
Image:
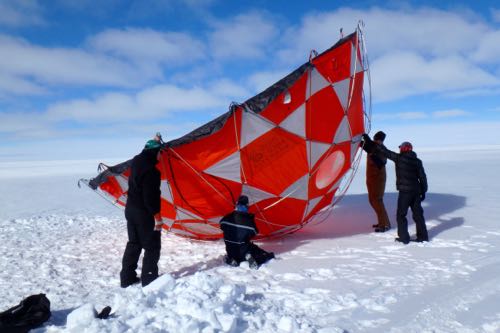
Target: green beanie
column 152, row 144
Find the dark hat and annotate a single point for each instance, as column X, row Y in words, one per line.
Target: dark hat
column 379, row 136
column 243, row 200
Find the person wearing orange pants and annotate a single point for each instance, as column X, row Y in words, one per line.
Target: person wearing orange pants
column 375, row 184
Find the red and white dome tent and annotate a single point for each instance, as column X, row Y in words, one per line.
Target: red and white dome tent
column 292, row 149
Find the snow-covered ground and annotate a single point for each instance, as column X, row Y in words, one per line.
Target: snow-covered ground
column 337, row 276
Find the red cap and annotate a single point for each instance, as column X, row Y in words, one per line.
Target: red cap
column 405, row 146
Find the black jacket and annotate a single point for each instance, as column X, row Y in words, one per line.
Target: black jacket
column 410, row 174
column 144, row 182
column 238, row 227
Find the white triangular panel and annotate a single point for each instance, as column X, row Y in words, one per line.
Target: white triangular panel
column 228, row 168
column 312, row 203
column 343, row 132
column 357, row 139
column 356, row 66
column 203, row 228
column 315, row 82
column 123, row 181
column 182, row 232
column 342, row 90
column 215, row 219
column 254, row 194
column 297, row 190
column 185, row 215
column 253, row 126
column 296, row 121
column 166, row 192
column 354, row 146
column 123, row 198
column 168, row 222
column 315, row 150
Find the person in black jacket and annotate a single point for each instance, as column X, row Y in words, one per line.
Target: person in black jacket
column 142, row 212
column 411, row 182
column 239, row 228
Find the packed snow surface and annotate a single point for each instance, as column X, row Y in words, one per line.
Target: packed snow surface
column 333, row 276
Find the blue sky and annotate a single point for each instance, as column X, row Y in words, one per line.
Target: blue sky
column 80, row 80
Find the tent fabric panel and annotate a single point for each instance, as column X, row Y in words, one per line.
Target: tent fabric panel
column 322, row 111
column 261, row 101
column 252, row 127
column 228, row 168
column 276, row 150
column 254, row 194
column 202, row 194
column 334, row 64
column 343, row 132
column 298, row 189
column 212, row 148
column 278, row 109
column 329, row 169
column 270, row 214
column 203, row 228
column 316, row 82
column 315, row 150
column 296, row 121
column 342, row 91
column 355, row 112
column 324, row 201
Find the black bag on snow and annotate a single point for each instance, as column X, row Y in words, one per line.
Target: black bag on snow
column 32, row 312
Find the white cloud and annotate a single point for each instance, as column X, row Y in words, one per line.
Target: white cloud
column 157, row 101
column 452, row 113
column 486, row 91
column 230, row 89
column 245, row 36
column 17, row 13
column 402, row 74
column 409, row 115
column 416, row 115
column 488, row 50
column 146, row 45
column 147, row 111
column 262, row 80
column 10, row 84
column 495, row 14
column 413, row 51
column 426, row 31
column 431, row 135
column 25, row 124
column 63, row 65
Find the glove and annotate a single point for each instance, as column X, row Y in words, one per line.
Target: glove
column 368, row 144
column 158, row 222
column 422, row 197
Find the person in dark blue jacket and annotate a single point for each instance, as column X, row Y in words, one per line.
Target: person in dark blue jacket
column 411, row 182
column 142, row 212
column 239, row 228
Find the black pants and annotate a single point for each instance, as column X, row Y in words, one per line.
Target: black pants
column 410, row 200
column 238, row 252
column 141, row 235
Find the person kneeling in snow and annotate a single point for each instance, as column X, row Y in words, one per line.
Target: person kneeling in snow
column 239, row 228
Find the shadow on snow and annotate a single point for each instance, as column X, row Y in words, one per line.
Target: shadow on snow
column 353, row 215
